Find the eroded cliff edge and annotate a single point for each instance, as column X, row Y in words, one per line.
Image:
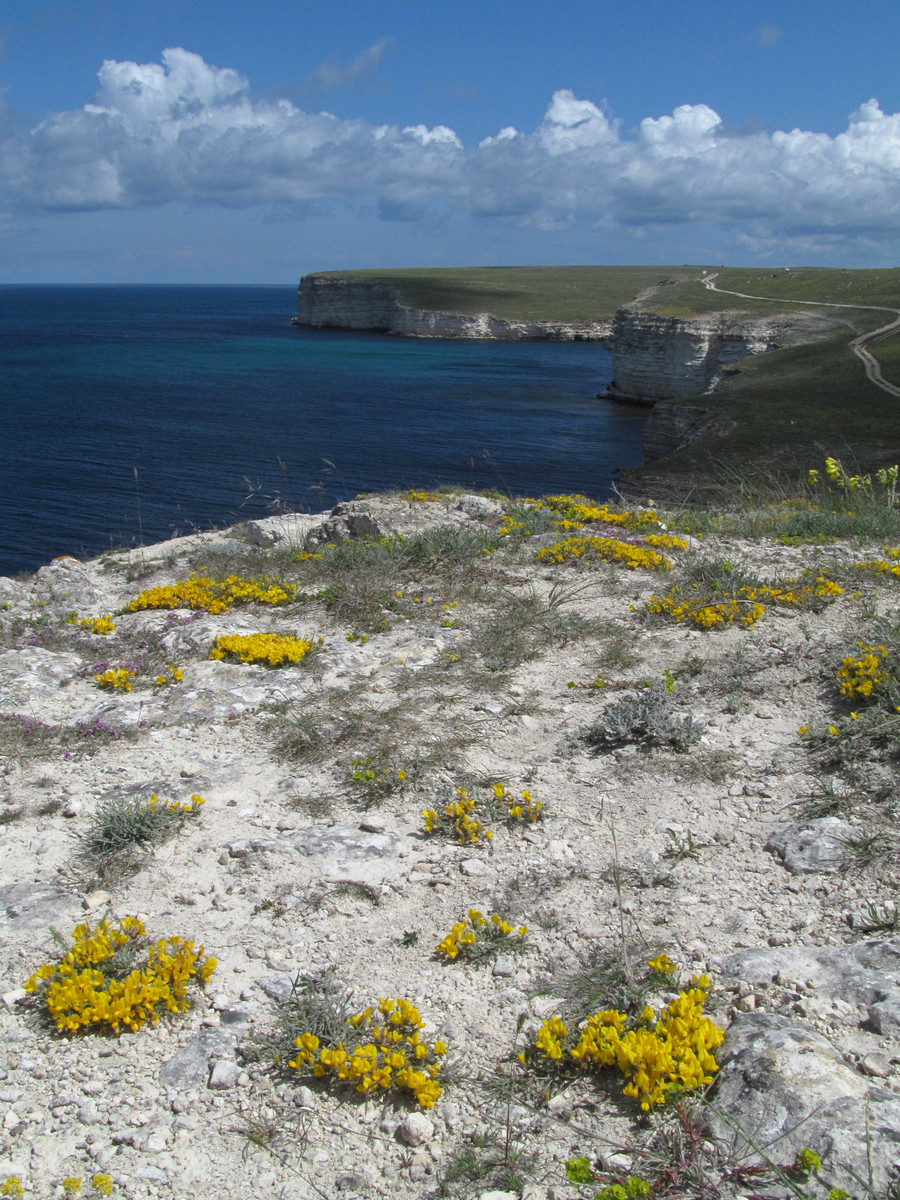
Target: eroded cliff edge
column 339, row 302
column 659, row 360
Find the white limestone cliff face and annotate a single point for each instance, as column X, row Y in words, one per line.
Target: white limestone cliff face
column 661, row 358
column 335, row 302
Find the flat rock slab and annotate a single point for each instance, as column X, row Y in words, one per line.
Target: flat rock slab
column 865, row 973
column 812, row 847
column 285, row 527
column 27, row 907
column 28, row 677
column 782, row 1087
column 190, row 1065
column 349, row 853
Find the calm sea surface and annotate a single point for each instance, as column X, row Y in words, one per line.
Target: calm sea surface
column 220, row 405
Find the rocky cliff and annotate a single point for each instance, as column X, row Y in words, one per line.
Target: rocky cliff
column 661, row 358
column 342, row 302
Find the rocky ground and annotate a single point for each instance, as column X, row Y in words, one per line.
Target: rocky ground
column 739, row 850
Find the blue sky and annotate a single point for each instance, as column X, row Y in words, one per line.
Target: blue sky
column 197, row 141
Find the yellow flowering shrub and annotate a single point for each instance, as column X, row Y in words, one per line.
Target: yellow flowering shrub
column 214, row 595
column 605, row 548
column 172, row 675
column 668, row 541
column 270, row 649
column 414, row 496
column 97, row 984
column 459, row 818
column 102, row 625
column 885, row 478
column 115, row 679
column 581, row 510
column 478, row 937
column 864, row 675
column 709, row 608
column 385, row 1052
column 524, row 810
column 889, row 565
column 658, row 1055
column 12, row 1186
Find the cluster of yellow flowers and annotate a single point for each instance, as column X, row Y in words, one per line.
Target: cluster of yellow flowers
column 115, row 678
column 574, row 512
column 699, row 610
column 184, row 808
column 78, row 994
column 421, row 497
column 662, row 965
column 273, row 649
column 459, row 818
column 888, row 565
column 101, row 1184
column 526, row 810
column 743, row 606
column 214, row 595
column 580, row 510
column 173, row 675
column 656, row 1054
column 668, row 541
column 477, row 936
column 98, row 624
column 862, row 676
column 12, row 1186
column 607, row 548
column 885, row 477
column 388, row 1054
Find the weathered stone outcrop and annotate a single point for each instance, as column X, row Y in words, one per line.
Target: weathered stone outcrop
column 661, row 358
column 342, row 302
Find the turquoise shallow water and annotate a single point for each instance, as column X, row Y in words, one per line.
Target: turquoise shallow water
column 220, row 404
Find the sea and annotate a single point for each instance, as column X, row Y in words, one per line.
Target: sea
column 132, row 414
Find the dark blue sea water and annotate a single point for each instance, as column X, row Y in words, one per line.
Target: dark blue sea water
column 221, row 405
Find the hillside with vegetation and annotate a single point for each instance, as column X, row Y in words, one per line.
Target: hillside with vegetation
column 449, row 846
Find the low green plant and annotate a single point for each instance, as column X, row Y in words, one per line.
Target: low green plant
column 125, row 823
column 375, row 780
column 644, row 717
column 478, row 937
column 317, row 1003
column 682, row 846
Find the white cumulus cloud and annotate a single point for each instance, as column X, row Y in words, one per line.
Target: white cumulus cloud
column 184, row 130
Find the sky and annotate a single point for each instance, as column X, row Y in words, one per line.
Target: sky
column 229, row 141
